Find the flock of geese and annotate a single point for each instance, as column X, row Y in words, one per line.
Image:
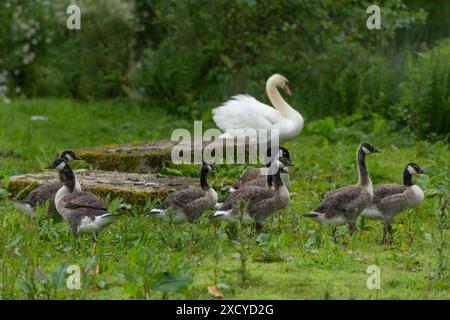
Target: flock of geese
column 258, row 194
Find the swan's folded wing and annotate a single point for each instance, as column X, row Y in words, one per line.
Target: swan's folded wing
column 245, row 112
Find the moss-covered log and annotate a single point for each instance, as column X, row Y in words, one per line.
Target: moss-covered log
column 144, row 157
column 141, row 157
column 134, row 188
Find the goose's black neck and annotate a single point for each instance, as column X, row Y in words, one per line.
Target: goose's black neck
column 407, row 178
column 203, row 178
column 364, row 178
column 269, row 176
column 67, row 177
column 277, row 179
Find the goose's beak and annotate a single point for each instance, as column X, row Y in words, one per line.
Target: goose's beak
column 287, row 89
column 289, row 163
column 78, row 158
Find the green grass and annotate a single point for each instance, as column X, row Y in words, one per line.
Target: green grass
column 140, row 257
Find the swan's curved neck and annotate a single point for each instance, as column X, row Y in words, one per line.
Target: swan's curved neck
column 277, row 100
column 364, row 178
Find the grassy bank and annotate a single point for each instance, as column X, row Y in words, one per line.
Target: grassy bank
column 140, row 257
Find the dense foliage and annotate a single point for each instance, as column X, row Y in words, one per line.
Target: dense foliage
column 191, row 55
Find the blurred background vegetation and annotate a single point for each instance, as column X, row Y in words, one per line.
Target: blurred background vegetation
column 190, row 55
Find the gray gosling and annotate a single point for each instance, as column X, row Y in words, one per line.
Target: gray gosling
column 344, row 205
column 258, row 202
column 189, row 204
column 39, row 196
column 83, row 211
column 389, row 200
column 258, row 178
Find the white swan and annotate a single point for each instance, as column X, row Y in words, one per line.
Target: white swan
column 243, row 112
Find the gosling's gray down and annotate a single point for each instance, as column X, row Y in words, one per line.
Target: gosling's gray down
column 258, row 202
column 83, row 211
column 389, row 200
column 39, row 196
column 344, row 205
column 188, row 204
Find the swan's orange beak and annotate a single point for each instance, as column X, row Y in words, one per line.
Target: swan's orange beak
column 287, row 89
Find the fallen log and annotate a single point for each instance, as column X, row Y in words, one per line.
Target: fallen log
column 140, row 157
column 134, row 188
column 151, row 156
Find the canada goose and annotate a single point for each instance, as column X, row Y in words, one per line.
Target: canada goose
column 83, row 211
column 243, row 112
column 258, row 177
column 390, row 200
column 260, row 202
column 344, row 205
column 188, row 204
column 39, row 196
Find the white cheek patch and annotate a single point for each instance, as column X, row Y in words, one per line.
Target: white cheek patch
column 279, row 164
column 411, row 170
column 366, row 151
column 61, row 166
column 273, row 169
column 69, row 157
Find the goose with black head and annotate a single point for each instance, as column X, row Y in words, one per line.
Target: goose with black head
column 188, row 204
column 258, row 177
column 259, row 202
column 344, row 205
column 42, row 194
column 389, row 200
column 83, row 211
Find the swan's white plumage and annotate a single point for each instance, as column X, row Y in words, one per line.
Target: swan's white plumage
column 243, row 112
